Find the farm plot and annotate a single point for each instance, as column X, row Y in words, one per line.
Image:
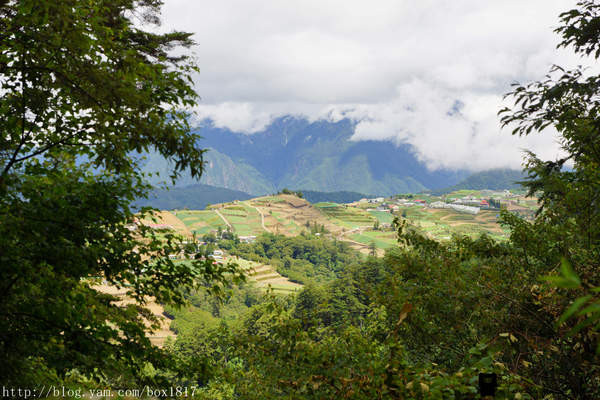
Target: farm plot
column 266, row 277
column 156, row 336
column 289, row 215
column 201, row 222
column 383, row 217
column 244, row 219
column 382, row 240
column 442, row 223
column 345, row 216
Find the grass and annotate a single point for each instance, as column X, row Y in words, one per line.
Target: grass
column 382, row 240
column 201, row 222
column 383, row 216
column 345, row 216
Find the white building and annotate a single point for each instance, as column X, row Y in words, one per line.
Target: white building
column 247, row 239
column 465, row 209
column 439, row 204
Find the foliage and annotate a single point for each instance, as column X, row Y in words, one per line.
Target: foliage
column 295, row 193
column 84, row 89
column 302, row 259
column 568, row 220
column 405, row 326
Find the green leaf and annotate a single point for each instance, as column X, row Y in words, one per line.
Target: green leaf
column 583, row 324
column 568, row 279
column 577, row 304
column 592, row 308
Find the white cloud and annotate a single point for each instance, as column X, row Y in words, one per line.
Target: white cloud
column 399, row 67
column 446, row 132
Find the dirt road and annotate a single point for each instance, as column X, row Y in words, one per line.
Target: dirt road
column 224, row 220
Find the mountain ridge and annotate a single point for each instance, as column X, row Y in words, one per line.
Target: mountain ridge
column 321, row 156
column 318, row 156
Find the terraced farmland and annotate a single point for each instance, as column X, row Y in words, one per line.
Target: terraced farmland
column 384, row 217
column 346, row 216
column 289, row 215
column 201, row 222
column 244, row 219
column 264, row 276
column 442, row 223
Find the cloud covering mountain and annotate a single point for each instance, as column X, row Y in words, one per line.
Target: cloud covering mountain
column 429, row 74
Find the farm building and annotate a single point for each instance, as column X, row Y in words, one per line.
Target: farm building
column 465, row 209
column 247, row 239
column 467, row 201
column 439, row 204
column 160, row 226
column 455, row 207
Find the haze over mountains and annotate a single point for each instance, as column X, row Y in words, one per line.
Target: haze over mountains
column 295, row 153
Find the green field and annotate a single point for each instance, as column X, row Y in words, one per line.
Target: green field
column 384, row 217
column 382, row 240
column 439, row 224
column 244, row 219
column 346, row 216
column 201, row 222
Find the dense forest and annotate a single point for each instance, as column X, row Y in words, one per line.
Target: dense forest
column 422, row 322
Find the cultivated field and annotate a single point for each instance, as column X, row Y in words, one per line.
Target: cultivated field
column 289, row 215
column 264, row 276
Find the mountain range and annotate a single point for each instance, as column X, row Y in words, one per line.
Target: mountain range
column 295, row 153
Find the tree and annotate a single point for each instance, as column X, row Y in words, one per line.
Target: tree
column 190, row 248
column 84, row 92
column 566, row 233
column 569, row 101
column 372, row 249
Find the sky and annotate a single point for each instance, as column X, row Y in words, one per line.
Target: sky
column 430, row 73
